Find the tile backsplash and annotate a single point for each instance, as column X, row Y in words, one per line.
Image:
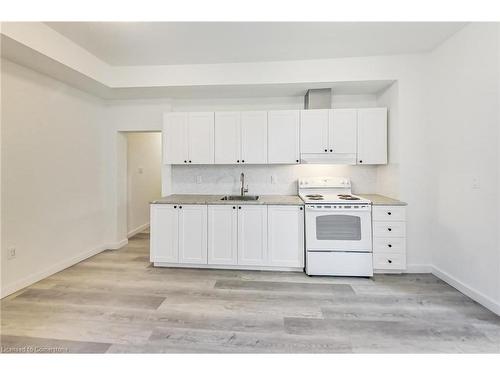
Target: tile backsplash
column 264, row 179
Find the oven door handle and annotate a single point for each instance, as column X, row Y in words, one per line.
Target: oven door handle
column 333, row 210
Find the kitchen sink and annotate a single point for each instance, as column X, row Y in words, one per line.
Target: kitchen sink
column 240, row 198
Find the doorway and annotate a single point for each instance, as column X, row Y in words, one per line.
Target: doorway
column 143, row 178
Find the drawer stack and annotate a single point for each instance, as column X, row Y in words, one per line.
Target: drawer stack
column 389, row 238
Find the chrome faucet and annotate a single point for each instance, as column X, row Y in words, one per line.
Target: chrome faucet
column 243, row 190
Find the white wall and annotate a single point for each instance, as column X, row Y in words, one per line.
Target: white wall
column 464, row 123
column 143, row 178
column 53, row 175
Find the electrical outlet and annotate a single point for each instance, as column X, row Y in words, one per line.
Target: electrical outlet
column 274, row 179
column 198, row 180
column 11, row 253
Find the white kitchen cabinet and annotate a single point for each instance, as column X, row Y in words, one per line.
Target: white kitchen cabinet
column 328, row 136
column 175, row 138
column 372, row 136
column 283, row 137
column 164, row 233
column 227, row 137
column 188, row 138
column 252, row 235
column 343, row 131
column 222, row 234
column 192, row 234
column 285, row 236
column 201, row 138
column 314, row 131
column 254, row 137
column 389, row 238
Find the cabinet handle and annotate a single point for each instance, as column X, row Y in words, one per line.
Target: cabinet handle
column 331, row 150
column 361, row 162
column 175, row 206
column 190, row 161
column 237, row 161
column 389, row 229
column 243, row 161
column 185, row 161
column 326, row 150
column 389, row 213
column 234, row 207
column 390, row 261
column 239, row 207
column 297, row 160
column 389, row 245
column 301, row 208
column 180, row 206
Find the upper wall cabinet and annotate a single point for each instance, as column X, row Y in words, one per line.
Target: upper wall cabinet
column 188, row 138
column 328, row 136
column 283, row 137
column 372, row 136
column 241, row 137
column 254, row 137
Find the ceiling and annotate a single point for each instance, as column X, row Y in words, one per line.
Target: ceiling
column 172, row 43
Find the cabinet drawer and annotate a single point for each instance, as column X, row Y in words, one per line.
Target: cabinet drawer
column 389, row 229
column 389, row 245
column 387, row 261
column 389, row 213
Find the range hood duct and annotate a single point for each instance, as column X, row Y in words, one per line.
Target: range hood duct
column 318, row 99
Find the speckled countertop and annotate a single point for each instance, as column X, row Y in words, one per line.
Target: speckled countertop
column 216, row 199
column 381, row 200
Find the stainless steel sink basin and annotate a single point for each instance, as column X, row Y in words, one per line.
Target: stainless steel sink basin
column 240, row 198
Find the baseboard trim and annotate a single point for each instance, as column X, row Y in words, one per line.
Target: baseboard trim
column 477, row 296
column 139, row 229
column 116, row 245
column 418, row 268
column 27, row 281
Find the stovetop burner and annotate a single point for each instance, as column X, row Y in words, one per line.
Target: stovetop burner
column 348, row 197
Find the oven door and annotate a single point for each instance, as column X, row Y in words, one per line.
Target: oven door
column 338, row 229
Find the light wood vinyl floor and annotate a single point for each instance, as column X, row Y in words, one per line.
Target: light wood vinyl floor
column 116, row 302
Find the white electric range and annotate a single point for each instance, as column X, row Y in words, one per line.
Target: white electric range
column 338, row 228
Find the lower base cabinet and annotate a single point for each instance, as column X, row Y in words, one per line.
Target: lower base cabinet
column 285, row 244
column 249, row 236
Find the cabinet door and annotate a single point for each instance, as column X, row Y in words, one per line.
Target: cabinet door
column 286, row 236
column 164, row 233
column 193, row 234
column 372, row 136
column 227, row 137
column 222, row 234
column 175, row 142
column 252, row 235
column 314, row 131
column 343, row 131
column 201, row 137
column 283, row 137
column 254, row 137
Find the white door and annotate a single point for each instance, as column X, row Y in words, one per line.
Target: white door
column 175, row 142
column 254, row 137
column 164, row 233
column 285, row 236
column 314, row 131
column 227, row 137
column 252, row 235
column 372, row 136
column 283, row 137
column 222, row 234
column 343, row 131
column 193, row 234
column 201, row 137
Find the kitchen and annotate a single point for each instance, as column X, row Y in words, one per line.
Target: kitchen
column 339, row 196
